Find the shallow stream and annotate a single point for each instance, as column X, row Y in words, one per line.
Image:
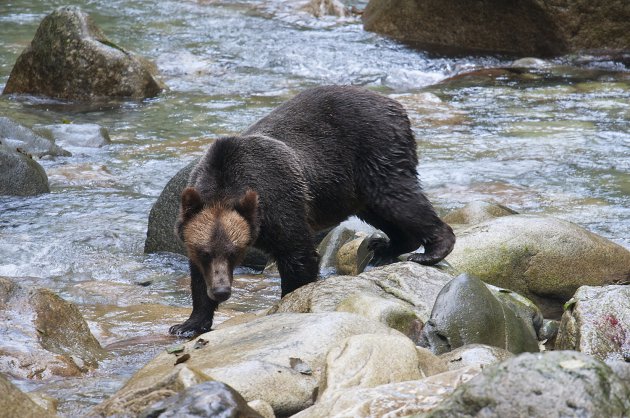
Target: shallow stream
column 554, row 139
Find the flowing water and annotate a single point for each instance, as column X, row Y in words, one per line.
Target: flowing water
column 554, row 140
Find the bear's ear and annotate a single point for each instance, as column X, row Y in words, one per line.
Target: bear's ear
column 191, row 203
column 247, row 207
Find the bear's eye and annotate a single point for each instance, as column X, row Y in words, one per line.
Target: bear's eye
column 205, row 256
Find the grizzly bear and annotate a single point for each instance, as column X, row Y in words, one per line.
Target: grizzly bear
column 328, row 153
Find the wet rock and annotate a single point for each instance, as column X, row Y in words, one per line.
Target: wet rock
column 134, row 402
column 42, row 335
column 161, row 225
column 597, row 322
column 557, row 383
column 467, row 312
column 542, row 258
column 15, row 403
column 255, row 358
column 475, row 355
column 391, row 400
column 208, row 399
column 476, row 212
column 70, row 58
column 14, row 136
column 403, row 286
column 427, row 110
column 528, row 28
column 332, row 242
column 88, row 135
column 353, row 257
column 21, row 175
column 364, row 361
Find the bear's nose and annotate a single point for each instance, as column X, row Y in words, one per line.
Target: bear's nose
column 221, row 293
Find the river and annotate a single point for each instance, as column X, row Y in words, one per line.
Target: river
column 555, row 140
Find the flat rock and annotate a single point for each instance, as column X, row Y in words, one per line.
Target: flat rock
column 474, row 355
column 89, row 135
column 255, row 358
column 14, row 136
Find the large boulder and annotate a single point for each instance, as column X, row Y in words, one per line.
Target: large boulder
column 399, row 295
column 597, row 322
column 544, row 259
column 523, row 28
column 47, row 335
column 15, row 403
column 70, row 58
column 163, row 215
column 467, row 312
column 276, row 358
column 20, row 174
column 552, row 384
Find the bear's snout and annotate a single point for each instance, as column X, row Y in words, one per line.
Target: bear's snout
column 221, row 294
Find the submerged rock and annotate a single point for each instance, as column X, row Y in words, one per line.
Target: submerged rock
column 13, row 135
column 526, row 28
column 76, row 135
column 255, row 359
column 557, row 384
column 544, row 259
column 597, row 323
column 20, row 174
column 70, row 58
column 42, row 335
column 467, row 312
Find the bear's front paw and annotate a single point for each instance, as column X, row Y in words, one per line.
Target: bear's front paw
column 190, row 328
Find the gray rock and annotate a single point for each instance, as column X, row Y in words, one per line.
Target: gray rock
column 76, row 135
column 475, row 355
column 597, row 322
column 526, row 28
column 467, row 312
column 476, row 212
column 548, row 332
column 400, row 295
column 544, row 259
column 15, row 403
column 20, row 174
column 255, row 358
column 163, row 215
column 551, row 384
column 15, row 136
column 48, row 335
column 208, row 399
column 70, row 58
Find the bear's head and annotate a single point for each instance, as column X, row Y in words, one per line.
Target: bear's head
column 216, row 236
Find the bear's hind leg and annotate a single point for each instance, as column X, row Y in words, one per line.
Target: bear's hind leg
column 409, row 221
column 200, row 320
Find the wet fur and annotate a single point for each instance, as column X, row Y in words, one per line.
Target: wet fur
column 327, row 154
